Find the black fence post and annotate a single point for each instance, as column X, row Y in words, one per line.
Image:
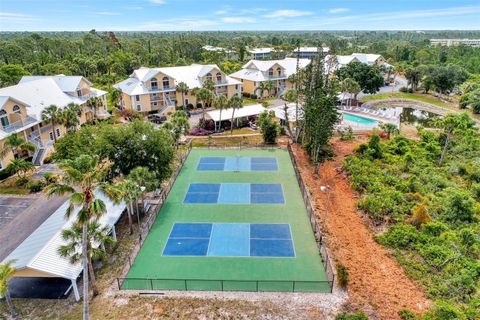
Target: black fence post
column 118, row 283
column 151, row 284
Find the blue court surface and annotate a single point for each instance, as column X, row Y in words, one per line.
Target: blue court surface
column 235, row 193
column 237, row 164
column 230, row 240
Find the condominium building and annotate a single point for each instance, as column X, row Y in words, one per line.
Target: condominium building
column 227, row 53
column 334, row 62
column 150, row 89
column 455, row 42
column 21, row 109
column 310, row 52
column 254, row 72
column 260, row 53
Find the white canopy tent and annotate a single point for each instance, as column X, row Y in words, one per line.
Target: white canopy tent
column 246, row 111
column 37, row 256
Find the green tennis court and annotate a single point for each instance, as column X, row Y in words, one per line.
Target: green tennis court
column 216, row 231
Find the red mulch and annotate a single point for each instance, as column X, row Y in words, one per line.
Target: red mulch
column 378, row 285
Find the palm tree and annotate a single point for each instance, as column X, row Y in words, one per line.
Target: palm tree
column 205, row 96
column 82, row 176
column 208, row 84
column 389, row 128
column 96, row 234
column 220, row 103
column 180, row 124
column 19, row 167
column 52, row 114
column 269, row 86
column 350, row 86
column 124, row 190
column 94, row 103
column 70, row 116
column 234, row 102
column 261, row 88
column 145, row 179
column 183, row 89
column 116, row 96
column 15, row 144
column 6, row 272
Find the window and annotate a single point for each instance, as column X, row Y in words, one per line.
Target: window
column 209, row 76
column 58, row 133
column 236, row 87
column 270, row 73
column 254, row 83
column 279, row 71
column 4, row 118
column 51, row 135
column 139, row 107
column 165, row 83
column 154, row 103
column 137, row 98
column 153, row 83
column 79, row 92
column 187, row 102
column 16, row 109
column 219, row 77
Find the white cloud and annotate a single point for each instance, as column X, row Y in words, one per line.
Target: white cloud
column 187, row 24
column 107, row 13
column 13, row 17
column 338, row 10
column 158, row 1
column 288, row 14
column 238, row 20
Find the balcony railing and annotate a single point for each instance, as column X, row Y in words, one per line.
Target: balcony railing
column 18, row 124
column 156, row 99
column 160, row 89
column 274, row 77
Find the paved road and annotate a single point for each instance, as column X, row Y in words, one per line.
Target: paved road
column 400, row 82
column 21, row 216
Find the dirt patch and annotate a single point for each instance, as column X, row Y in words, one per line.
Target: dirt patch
column 378, row 284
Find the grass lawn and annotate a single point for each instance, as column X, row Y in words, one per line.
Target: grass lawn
column 418, row 97
column 236, row 132
column 258, row 101
column 413, row 96
column 9, row 186
column 226, row 140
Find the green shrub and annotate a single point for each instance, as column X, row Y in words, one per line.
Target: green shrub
column 407, row 315
column 346, row 134
column 51, row 177
column 401, row 236
column 22, row 182
column 351, row 316
column 342, row 275
column 36, row 186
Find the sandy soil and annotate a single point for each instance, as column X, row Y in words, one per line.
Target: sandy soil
column 378, row 285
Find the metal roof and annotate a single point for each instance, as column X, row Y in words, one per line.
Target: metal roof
column 246, row 111
column 39, row 251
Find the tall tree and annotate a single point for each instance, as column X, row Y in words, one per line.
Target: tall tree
column 116, row 96
column 220, row 103
column 451, row 125
column 205, row 96
column 368, row 77
column 182, row 87
column 81, row 178
column 97, row 238
column 94, row 103
column 70, row 115
column 321, row 114
column 291, row 96
column 6, row 273
column 16, row 145
column 52, row 114
column 19, row 167
column 234, row 103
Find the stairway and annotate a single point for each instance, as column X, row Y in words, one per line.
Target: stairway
column 38, row 157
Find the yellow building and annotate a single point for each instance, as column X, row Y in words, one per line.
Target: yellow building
column 155, row 89
column 254, row 72
column 21, row 108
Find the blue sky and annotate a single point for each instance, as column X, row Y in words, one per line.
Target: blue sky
column 139, row 15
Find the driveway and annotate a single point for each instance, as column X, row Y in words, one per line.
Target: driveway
column 21, row 215
column 400, row 82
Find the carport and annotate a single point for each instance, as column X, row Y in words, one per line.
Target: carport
column 37, row 256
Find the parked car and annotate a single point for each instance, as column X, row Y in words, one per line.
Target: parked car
column 157, row 118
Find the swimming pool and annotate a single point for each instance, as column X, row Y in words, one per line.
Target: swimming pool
column 359, row 120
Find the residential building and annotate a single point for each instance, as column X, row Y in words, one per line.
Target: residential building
column 334, row 62
column 261, row 53
column 310, row 52
column 228, row 54
column 21, row 109
column 455, row 42
column 150, row 89
column 254, row 72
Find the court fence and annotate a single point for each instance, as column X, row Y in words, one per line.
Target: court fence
column 148, row 223
column 128, row 283
column 313, row 221
column 240, row 145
